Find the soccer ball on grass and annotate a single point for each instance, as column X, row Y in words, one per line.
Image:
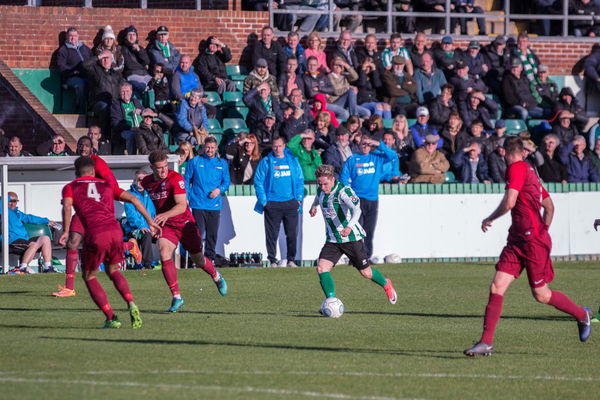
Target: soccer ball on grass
column 332, row 307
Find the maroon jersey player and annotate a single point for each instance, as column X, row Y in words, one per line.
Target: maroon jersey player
column 167, row 191
column 92, row 199
column 528, row 247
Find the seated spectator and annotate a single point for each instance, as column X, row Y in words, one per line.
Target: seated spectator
column 125, row 115
column 373, row 127
column 136, row 61
column 260, row 101
column 302, row 148
column 552, row 170
column 337, row 154
column 391, row 169
column 529, row 60
column 563, row 128
column 428, row 165
column 324, row 131
column 476, row 133
column 399, row 87
column 20, row 243
column 454, row 135
column 149, row 135
column 417, row 50
column 591, row 67
column 320, row 105
column 517, row 93
column 396, row 48
column 595, row 154
column 316, row 49
column 421, row 129
column 530, row 153
column 162, row 51
column 160, row 86
column 497, row 58
column 478, row 106
column 351, row 22
column 243, row 155
column 15, row 148
column 294, row 49
column 580, row 167
column 442, row 106
column 405, row 24
column 191, row 119
column 290, row 80
column 343, row 100
column 69, row 61
column 109, row 43
column 568, row 101
column 368, row 83
column 136, row 227
column 590, row 27
column 104, row 84
column 464, row 83
column 211, row 66
column 447, row 56
column 404, row 145
column 545, row 91
column 259, row 75
column 370, row 50
column 497, row 163
column 429, row 80
column 345, row 50
column 55, row 147
column 471, row 165
column 264, row 132
column 434, row 6
column 468, row 6
column 315, row 81
column 184, row 79
column 269, row 49
column 299, row 118
column 100, row 146
column 496, row 137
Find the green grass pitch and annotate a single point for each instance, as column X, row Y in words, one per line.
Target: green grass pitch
column 265, row 340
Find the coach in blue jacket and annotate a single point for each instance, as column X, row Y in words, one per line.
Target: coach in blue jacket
column 207, row 177
column 362, row 171
column 279, row 185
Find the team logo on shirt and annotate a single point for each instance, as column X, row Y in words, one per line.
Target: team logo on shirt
column 279, row 174
column 182, row 184
column 365, row 168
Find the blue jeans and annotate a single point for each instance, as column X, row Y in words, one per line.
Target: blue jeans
column 79, row 85
column 129, row 137
column 372, row 107
column 522, row 113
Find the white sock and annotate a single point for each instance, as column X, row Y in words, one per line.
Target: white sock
column 177, row 296
column 47, row 265
column 218, row 277
column 23, row 266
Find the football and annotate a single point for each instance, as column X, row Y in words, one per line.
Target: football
column 332, row 307
column 392, row 259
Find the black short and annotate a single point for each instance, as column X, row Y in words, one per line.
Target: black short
column 355, row 251
column 19, row 246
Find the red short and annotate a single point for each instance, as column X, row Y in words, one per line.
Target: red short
column 533, row 255
column 76, row 225
column 103, row 247
column 188, row 235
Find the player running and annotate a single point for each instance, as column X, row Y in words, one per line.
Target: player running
column 341, row 210
column 528, row 247
column 167, row 190
column 77, row 231
column 92, row 199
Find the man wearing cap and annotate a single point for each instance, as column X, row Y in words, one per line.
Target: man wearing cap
column 545, row 91
column 428, row 164
column 211, row 66
column 362, row 171
column 468, row 6
column 447, row 56
column 260, row 101
column 496, row 137
column 421, row 128
column 564, row 128
column 265, row 131
column 497, row 58
column 464, row 83
column 259, row 75
column 517, row 93
column 478, row 106
column 162, row 51
column 149, row 135
column 429, row 80
column 396, row 48
column 69, row 60
column 136, row 61
column 475, row 60
column 125, row 115
column 471, row 164
column 270, row 50
column 400, row 87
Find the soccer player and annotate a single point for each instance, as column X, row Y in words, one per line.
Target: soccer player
column 167, row 190
column 528, row 247
column 92, row 199
column 341, row 210
column 77, row 231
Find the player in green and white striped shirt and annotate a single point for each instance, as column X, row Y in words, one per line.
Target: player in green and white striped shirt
column 341, row 210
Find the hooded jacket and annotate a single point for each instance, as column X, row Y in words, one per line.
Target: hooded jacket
column 314, row 112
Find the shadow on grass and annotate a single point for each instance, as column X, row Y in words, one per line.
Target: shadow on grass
column 17, row 292
column 49, row 309
column 8, row 326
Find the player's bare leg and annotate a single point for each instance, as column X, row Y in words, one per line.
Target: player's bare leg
column 99, row 296
column 170, row 272
column 72, row 259
column 207, row 265
column 377, row 277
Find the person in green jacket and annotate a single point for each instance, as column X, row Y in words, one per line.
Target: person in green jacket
column 309, row 158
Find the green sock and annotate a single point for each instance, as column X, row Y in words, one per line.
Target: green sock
column 327, row 284
column 377, row 277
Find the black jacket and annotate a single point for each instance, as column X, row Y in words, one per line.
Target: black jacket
column 117, row 115
column 257, row 111
column 136, row 62
column 238, row 162
column 104, row 84
column 552, row 170
column 264, row 137
column 275, row 56
column 318, row 84
column 516, row 92
column 497, row 167
column 292, row 126
column 452, row 144
column 439, row 113
column 350, row 57
column 485, row 112
column 149, row 139
column 498, row 64
column 212, row 65
column 70, row 63
column 367, row 86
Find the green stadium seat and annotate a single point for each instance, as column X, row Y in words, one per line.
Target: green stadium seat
column 411, row 121
column 387, row 123
column 237, row 112
column 514, row 126
column 233, row 126
column 35, row 230
column 341, row 120
column 239, row 85
column 213, row 126
column 450, row 178
column 233, row 99
column 149, row 98
column 213, row 98
column 173, row 147
column 236, row 72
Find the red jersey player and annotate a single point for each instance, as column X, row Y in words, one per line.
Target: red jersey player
column 92, row 199
column 167, row 191
column 528, row 247
column 84, row 148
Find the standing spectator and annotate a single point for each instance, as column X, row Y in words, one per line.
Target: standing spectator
column 435, row 6
column 552, row 170
column 15, row 148
column 464, row 83
column 191, row 119
column 590, row 27
column 162, row 51
column 290, row 80
column 362, row 172
column 260, row 102
column 429, row 165
column 421, row 128
column 316, row 49
column 279, row 186
column 265, row 132
column 370, row 50
column 270, row 50
column 404, row 145
column 591, row 67
column 211, row 66
column 547, row 7
column 496, row 163
column 454, row 135
column 186, row 153
column 580, row 167
column 468, row 6
column 109, row 43
column 369, row 82
column 563, row 128
column 471, row 164
column 517, row 93
column 259, row 75
column 337, row 154
column 343, row 100
column 243, row 156
column 69, row 61
column 429, row 79
column 447, row 56
column 207, row 177
column 442, row 106
column 396, row 48
column 529, row 60
column 351, row 22
column 125, row 115
column 184, row 79
column 497, row 58
column 149, row 135
column 478, row 106
column 136, row 61
column 568, row 101
column 345, row 50
column 405, row 24
column 417, row 50
column 400, row 88
column 309, row 158
column 293, row 48
column 595, row 155
column 315, row 81
column 300, row 117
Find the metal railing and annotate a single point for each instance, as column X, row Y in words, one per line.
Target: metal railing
column 90, row 4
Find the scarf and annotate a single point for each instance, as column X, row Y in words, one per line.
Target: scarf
column 529, row 65
column 267, row 104
column 165, row 49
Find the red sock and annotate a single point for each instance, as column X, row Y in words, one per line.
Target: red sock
column 72, row 258
column 492, row 315
column 99, row 296
column 121, row 285
column 562, row 303
column 209, row 268
column 170, row 273
column 127, row 246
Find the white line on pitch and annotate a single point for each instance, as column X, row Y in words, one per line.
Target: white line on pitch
column 245, row 389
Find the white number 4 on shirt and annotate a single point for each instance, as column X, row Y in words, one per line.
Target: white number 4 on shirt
column 92, row 192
